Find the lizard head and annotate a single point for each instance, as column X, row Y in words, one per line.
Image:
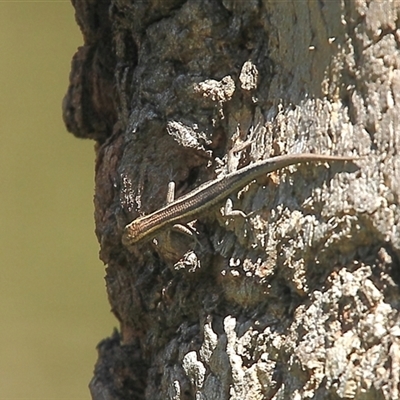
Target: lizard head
column 131, row 234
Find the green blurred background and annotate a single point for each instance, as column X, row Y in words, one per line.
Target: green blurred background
column 53, row 305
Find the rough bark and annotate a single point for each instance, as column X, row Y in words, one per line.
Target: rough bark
column 299, row 300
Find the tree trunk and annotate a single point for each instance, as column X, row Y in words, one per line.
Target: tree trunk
column 300, row 298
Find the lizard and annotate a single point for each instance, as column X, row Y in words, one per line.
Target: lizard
column 211, row 192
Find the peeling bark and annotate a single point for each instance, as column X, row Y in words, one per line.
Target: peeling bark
column 299, row 300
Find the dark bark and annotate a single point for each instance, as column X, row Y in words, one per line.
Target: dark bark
column 300, row 300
